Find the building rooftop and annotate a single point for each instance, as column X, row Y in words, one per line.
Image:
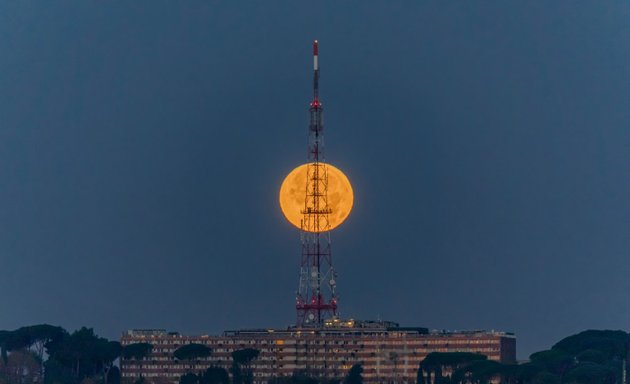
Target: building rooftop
column 332, row 326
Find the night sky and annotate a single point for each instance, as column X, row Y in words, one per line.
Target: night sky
column 143, row 143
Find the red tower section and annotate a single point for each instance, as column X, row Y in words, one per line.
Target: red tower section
column 316, row 300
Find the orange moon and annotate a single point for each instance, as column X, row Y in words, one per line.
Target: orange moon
column 293, row 198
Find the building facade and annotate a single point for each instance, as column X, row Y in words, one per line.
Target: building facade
column 388, row 352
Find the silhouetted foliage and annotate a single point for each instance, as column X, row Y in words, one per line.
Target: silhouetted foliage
column 545, row 377
column 59, row 357
column 588, row 357
column 22, row 366
column 245, row 356
column 451, row 359
column 192, row 352
column 553, row 360
column 590, row 373
column 297, row 378
column 509, row 373
column 420, row 376
column 215, row 375
column 82, row 354
column 137, row 351
column 4, row 337
column 436, row 363
column 592, row 356
column 189, row 378
column 113, row 375
column 611, row 343
column 39, row 336
column 240, row 358
column 478, row 372
column 354, row 375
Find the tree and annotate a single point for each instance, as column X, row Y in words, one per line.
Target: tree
column 545, row 377
column 509, row 373
column 160, row 380
column 590, row 373
column 22, row 366
column 138, row 352
column 18, row 339
column 611, row 343
column 17, row 359
column 420, row 376
column 107, row 352
column 192, row 352
column 354, row 375
column 393, row 358
column 39, row 336
column 215, row 375
column 113, row 375
column 74, row 357
column 4, row 337
column 481, row 371
column 296, row 378
column 240, row 358
column 435, row 363
column 245, row 356
column 592, row 356
column 57, row 372
column 189, row 378
column 553, row 360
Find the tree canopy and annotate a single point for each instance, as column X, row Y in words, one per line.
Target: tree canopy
column 589, row 357
column 137, row 351
column 72, row 357
column 354, row 375
column 192, row 352
column 79, row 355
column 245, row 356
column 435, row 359
column 610, row 343
column 215, row 375
column 189, row 378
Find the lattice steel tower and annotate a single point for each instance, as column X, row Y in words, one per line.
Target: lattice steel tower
column 316, row 299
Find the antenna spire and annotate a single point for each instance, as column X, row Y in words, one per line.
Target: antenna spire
column 315, row 74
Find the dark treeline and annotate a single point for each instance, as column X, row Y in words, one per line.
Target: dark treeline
column 590, row 357
column 51, row 355
column 48, row 354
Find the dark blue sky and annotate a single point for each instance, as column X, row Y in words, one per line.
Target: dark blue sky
column 142, row 145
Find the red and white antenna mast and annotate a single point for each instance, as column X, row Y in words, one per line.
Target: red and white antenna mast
column 316, row 300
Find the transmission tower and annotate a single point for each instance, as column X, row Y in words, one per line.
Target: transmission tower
column 316, row 300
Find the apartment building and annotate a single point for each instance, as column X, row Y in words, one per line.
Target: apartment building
column 388, row 352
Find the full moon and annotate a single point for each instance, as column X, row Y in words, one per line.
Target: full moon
column 293, row 196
